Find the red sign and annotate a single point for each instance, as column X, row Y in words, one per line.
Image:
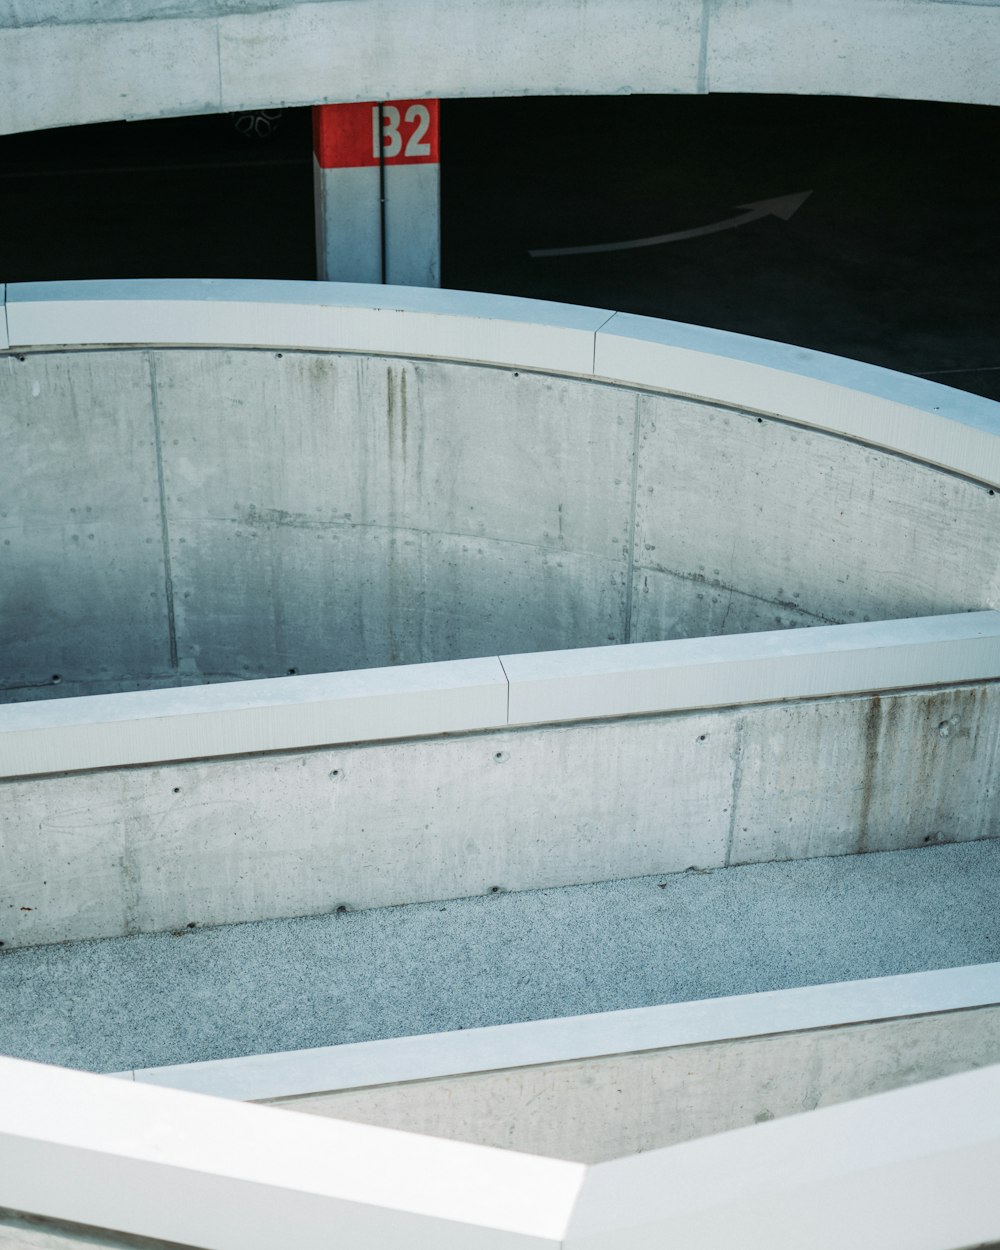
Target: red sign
column 396, row 132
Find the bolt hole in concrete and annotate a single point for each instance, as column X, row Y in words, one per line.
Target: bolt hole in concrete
column 500, row 756
column 56, row 679
column 342, row 909
column 177, row 789
column 293, row 672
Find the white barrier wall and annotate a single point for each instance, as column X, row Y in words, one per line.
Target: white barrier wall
column 286, row 477
column 609, row 1085
column 914, row 1167
column 67, row 65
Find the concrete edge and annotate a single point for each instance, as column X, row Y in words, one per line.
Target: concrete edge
column 909, row 416
column 914, row 417
column 297, row 1073
column 460, row 696
column 301, row 54
column 915, row 1166
column 203, row 1172
column 4, row 334
column 311, row 316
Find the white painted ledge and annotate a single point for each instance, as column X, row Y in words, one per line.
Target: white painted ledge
column 307, row 316
column 846, row 397
column 916, row 1167
column 226, row 1176
column 461, row 696
column 235, row 718
column 358, row 1065
column 908, row 416
column 820, row 661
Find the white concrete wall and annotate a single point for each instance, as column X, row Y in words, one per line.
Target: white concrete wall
column 148, row 58
column 914, row 1167
column 350, row 480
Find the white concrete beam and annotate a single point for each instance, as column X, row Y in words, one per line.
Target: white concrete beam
column 227, row 1176
column 294, row 1073
column 826, row 660
column 101, row 731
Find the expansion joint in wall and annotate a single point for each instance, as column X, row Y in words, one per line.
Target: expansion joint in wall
column 168, row 580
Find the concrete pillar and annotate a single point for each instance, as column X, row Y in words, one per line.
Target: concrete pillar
column 377, row 187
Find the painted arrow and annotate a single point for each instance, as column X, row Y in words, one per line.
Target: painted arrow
column 782, row 206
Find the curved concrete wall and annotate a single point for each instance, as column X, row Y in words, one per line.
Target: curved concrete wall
column 217, row 481
column 154, row 58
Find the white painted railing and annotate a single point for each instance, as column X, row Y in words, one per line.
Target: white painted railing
column 915, row 1167
column 464, row 1052
column 463, row 696
column 923, row 420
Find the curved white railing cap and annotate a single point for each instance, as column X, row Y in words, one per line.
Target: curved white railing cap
column 939, row 425
column 945, row 427
column 310, row 316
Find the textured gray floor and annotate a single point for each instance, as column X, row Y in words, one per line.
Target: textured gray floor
column 278, row 985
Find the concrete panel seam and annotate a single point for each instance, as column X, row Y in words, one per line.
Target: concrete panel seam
column 507, row 679
column 706, row 16
column 633, row 489
column 168, row 579
column 734, row 798
column 218, row 61
column 593, row 362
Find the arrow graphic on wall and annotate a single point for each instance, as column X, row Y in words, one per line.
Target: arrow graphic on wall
column 783, row 206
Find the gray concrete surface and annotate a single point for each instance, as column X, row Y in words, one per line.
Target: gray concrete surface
column 150, row 58
column 337, row 512
column 606, row 1108
column 218, row 993
column 19, row 1231
column 146, row 849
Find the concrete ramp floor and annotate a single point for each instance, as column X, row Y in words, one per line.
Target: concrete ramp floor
column 318, row 981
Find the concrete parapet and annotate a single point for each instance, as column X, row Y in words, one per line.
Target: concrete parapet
column 66, row 66
column 231, row 839
column 431, row 1056
column 919, row 1161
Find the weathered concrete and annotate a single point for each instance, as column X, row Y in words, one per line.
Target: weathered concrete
column 82, row 529
column 498, row 959
column 369, row 511
column 381, row 705
column 597, row 1109
column 148, row 58
column 254, row 837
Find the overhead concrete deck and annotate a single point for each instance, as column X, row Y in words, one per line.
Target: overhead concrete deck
column 280, row 985
column 71, row 63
